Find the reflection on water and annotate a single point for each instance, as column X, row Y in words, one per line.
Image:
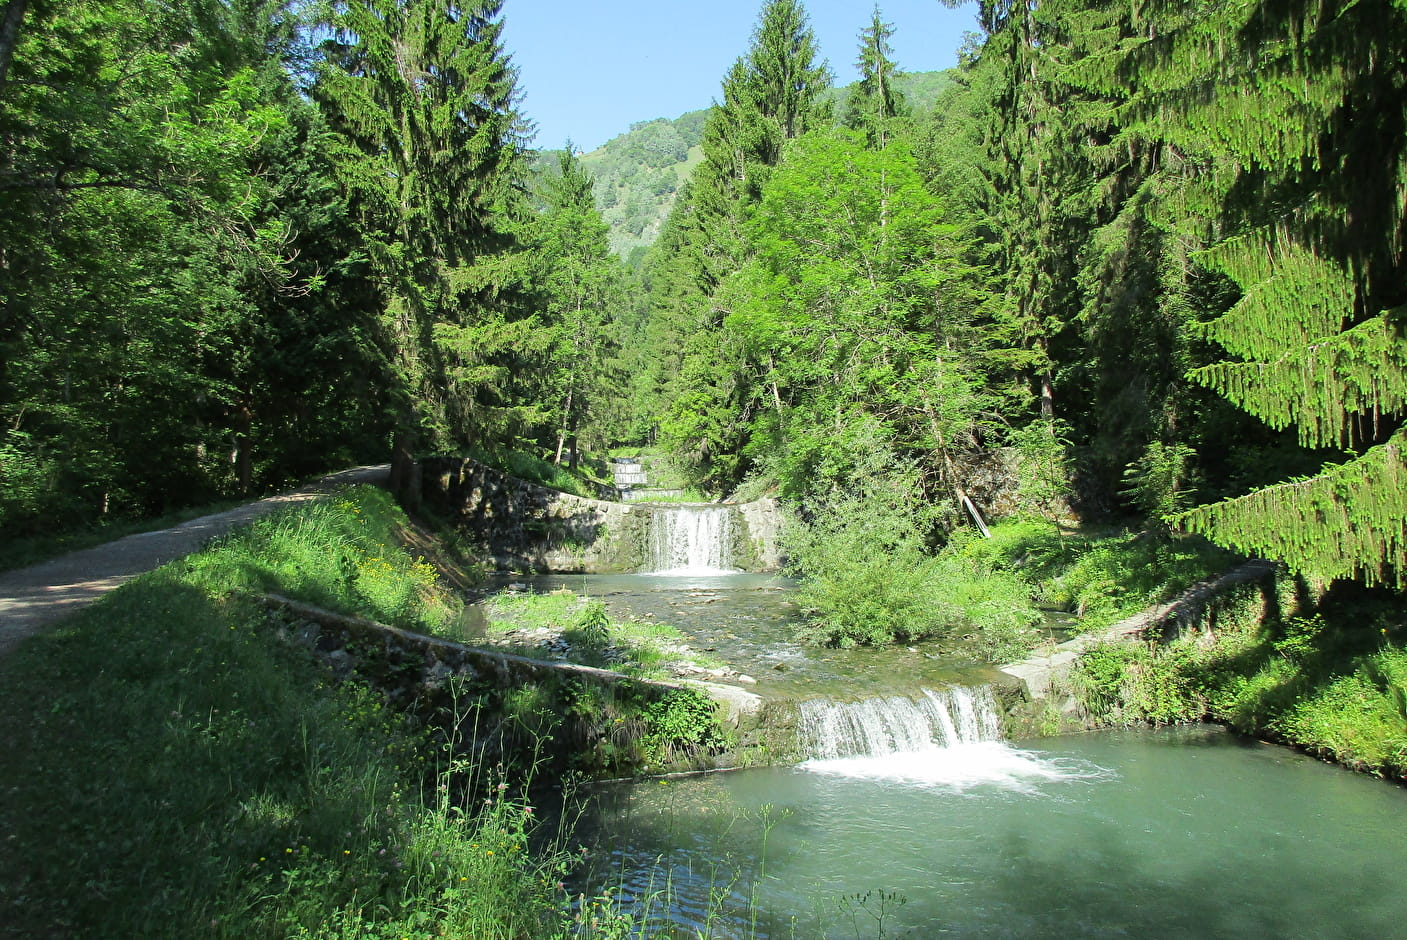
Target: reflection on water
column 1184, row 833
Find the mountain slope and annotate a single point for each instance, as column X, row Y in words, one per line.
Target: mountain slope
column 639, row 173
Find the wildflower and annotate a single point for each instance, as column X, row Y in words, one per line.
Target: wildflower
column 489, row 852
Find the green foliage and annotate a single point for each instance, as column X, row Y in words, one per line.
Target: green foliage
column 1131, row 683
column 1157, row 481
column 173, row 770
column 1306, row 192
column 680, row 724
column 341, row 553
column 422, row 99
column 876, row 101
column 1101, row 577
column 868, row 579
column 582, row 293
column 1307, row 680
column 1043, row 469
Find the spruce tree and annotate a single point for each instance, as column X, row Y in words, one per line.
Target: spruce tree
column 425, row 98
column 875, row 105
column 769, row 97
column 1295, row 127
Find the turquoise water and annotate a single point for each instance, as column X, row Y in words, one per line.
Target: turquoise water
column 749, row 622
column 1176, row 833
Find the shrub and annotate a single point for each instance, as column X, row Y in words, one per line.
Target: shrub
column 680, row 724
column 341, row 553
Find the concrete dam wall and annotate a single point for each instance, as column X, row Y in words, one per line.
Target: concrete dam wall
column 530, row 528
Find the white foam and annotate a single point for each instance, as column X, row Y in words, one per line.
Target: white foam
column 979, row 763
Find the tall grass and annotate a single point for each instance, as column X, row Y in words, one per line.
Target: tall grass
column 171, row 770
column 537, row 470
column 1100, row 576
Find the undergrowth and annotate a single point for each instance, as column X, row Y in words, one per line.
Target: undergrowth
column 863, row 585
column 537, row 470
column 1100, row 576
column 173, row 770
column 341, row 553
column 1329, row 676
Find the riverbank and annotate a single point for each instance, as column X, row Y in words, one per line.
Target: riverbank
column 173, row 769
column 1321, row 668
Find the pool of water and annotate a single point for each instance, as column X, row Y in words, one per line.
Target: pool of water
column 1174, row 833
column 749, row 621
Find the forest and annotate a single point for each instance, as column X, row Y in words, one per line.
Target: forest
column 1155, row 251
column 1112, row 307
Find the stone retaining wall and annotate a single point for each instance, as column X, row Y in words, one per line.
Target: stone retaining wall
column 526, row 527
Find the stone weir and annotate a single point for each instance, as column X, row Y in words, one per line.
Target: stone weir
column 531, row 528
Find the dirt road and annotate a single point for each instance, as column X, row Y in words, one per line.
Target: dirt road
column 33, row 597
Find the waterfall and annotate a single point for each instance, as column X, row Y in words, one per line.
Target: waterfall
column 629, row 474
column 691, row 540
column 950, row 738
column 880, row 727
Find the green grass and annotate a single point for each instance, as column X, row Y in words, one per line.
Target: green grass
column 1101, row 576
column 636, row 647
column 172, row 770
column 1329, row 676
column 543, row 472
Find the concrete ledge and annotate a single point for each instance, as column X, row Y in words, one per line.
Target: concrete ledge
column 443, row 658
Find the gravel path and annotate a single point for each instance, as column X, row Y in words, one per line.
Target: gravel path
column 33, row 597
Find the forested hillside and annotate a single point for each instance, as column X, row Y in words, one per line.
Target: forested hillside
column 248, row 242
column 1156, row 253
column 639, row 172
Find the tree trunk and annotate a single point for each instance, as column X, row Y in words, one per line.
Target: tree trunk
column 402, row 463
column 1047, row 397
column 10, row 33
column 243, row 457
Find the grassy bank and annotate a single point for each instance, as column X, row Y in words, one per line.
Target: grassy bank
column 1327, row 673
column 1099, row 577
column 174, row 770
column 983, row 597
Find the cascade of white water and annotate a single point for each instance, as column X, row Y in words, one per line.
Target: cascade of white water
column 691, row 539
column 896, row 725
column 629, row 474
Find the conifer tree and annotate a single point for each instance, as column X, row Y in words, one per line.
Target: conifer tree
column 877, row 102
column 581, row 288
column 1293, row 120
column 425, row 98
column 769, row 97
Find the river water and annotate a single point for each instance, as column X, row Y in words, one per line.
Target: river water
column 912, row 826
column 1173, row 833
column 749, row 622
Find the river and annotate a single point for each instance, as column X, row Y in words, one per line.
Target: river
column 1186, row 832
column 916, row 819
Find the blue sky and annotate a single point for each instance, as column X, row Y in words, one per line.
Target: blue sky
column 590, row 68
